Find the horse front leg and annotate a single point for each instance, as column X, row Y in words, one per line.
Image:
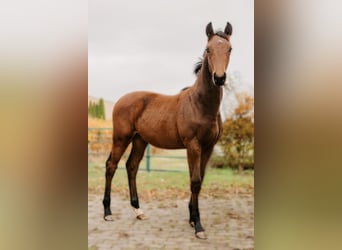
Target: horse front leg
column 205, row 156
column 194, row 161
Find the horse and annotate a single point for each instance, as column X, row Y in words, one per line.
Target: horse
column 190, row 119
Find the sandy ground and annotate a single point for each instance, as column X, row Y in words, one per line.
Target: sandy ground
column 229, row 224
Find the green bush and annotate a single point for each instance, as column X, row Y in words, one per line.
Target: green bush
column 237, row 139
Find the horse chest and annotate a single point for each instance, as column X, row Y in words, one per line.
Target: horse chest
column 209, row 133
column 206, row 131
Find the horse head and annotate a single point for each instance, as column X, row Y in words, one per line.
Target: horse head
column 218, row 52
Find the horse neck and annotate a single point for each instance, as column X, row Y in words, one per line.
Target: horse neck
column 205, row 92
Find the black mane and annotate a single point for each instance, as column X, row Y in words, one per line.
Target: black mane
column 198, row 65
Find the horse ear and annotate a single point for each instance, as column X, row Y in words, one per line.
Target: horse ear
column 229, row 29
column 209, row 30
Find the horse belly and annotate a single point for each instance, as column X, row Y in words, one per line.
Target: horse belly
column 166, row 142
column 160, row 132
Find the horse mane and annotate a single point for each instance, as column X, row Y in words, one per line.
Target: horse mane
column 199, row 64
column 185, row 88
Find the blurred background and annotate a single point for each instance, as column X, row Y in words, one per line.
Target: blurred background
column 44, row 100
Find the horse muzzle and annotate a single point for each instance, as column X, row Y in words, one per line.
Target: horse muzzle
column 219, row 80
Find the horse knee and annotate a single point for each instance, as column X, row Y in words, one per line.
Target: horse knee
column 196, row 186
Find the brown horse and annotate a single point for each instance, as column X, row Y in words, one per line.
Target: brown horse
column 190, row 119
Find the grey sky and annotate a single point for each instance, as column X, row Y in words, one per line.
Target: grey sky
column 153, row 45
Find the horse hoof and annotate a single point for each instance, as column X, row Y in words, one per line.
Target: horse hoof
column 142, row 217
column 201, row 235
column 109, row 218
column 140, row 214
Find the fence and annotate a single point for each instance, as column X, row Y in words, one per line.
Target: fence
column 100, row 144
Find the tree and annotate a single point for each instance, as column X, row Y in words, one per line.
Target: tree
column 97, row 110
column 91, row 109
column 237, row 139
column 232, row 90
column 102, row 114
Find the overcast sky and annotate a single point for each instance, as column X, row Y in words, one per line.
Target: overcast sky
column 153, row 44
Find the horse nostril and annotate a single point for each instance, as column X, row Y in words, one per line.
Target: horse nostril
column 220, row 80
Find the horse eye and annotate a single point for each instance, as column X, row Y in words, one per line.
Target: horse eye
column 230, row 50
column 207, row 50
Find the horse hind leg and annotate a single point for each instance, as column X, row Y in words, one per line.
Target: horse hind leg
column 132, row 166
column 111, row 166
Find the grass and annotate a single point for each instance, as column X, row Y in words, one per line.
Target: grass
column 99, row 123
column 161, row 185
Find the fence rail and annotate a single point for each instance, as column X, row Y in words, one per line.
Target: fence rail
column 100, row 143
